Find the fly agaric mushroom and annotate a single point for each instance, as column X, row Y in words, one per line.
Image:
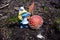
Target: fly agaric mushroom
column 35, row 21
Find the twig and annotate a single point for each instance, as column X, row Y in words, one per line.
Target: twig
column 4, row 6
column 1, row 15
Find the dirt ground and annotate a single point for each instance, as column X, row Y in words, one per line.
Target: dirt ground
column 49, row 10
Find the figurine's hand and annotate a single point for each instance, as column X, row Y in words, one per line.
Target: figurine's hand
column 28, row 17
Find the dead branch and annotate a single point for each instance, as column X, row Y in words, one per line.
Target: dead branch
column 4, row 6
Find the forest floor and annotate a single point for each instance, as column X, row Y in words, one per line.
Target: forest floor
column 49, row 10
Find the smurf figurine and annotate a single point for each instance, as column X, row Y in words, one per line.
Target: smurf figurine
column 23, row 16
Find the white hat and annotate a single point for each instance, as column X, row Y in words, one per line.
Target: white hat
column 21, row 8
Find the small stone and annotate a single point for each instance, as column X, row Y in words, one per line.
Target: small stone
column 1, row 15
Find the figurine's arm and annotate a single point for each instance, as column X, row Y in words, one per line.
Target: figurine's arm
column 19, row 17
column 26, row 14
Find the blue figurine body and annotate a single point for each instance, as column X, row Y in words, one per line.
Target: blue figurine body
column 23, row 14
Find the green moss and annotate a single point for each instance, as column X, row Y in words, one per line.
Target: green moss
column 12, row 19
column 59, row 28
column 46, row 8
column 27, row 10
column 58, row 20
column 36, row 11
column 59, row 13
column 25, row 0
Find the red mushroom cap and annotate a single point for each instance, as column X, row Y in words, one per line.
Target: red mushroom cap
column 36, row 21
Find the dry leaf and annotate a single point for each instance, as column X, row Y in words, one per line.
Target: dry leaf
column 31, row 7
